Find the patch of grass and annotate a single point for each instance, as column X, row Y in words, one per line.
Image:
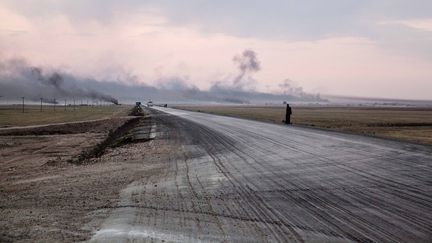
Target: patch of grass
column 12, row 115
column 405, row 124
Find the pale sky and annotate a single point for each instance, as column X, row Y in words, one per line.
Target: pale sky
column 369, row 48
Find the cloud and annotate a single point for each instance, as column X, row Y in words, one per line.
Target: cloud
column 287, row 19
column 338, row 46
column 410, row 37
column 420, row 24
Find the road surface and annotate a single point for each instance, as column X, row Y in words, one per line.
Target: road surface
column 235, row 180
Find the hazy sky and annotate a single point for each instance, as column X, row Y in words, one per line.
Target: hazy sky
column 373, row 48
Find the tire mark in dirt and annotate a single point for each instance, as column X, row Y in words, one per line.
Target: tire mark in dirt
column 409, row 193
column 259, row 206
column 361, row 224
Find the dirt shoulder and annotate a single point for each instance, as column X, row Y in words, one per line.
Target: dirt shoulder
column 46, row 198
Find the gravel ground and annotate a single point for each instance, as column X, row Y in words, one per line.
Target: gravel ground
column 44, row 198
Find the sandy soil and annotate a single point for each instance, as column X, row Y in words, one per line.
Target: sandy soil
column 45, row 198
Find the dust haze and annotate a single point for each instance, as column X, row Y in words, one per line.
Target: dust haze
column 18, row 78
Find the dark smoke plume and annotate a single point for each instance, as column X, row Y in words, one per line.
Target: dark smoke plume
column 289, row 87
column 247, row 63
column 18, row 78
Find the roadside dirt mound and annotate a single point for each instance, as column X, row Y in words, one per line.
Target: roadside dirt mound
column 42, row 202
column 137, row 111
column 50, row 188
column 138, row 129
column 99, row 149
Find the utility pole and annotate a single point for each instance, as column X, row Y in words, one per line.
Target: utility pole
column 65, row 104
column 74, row 102
column 55, row 103
column 41, row 105
column 23, row 104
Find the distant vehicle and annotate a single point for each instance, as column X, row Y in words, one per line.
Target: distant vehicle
column 138, row 103
column 150, row 103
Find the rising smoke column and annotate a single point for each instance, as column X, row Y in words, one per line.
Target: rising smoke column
column 289, row 87
column 18, row 79
column 57, row 81
column 247, row 63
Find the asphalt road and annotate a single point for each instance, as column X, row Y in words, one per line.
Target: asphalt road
column 235, row 180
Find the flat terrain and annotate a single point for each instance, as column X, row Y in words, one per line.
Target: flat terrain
column 13, row 115
column 184, row 176
column 46, row 192
column 405, row 124
column 228, row 179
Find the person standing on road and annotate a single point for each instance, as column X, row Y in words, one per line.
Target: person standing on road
column 288, row 114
